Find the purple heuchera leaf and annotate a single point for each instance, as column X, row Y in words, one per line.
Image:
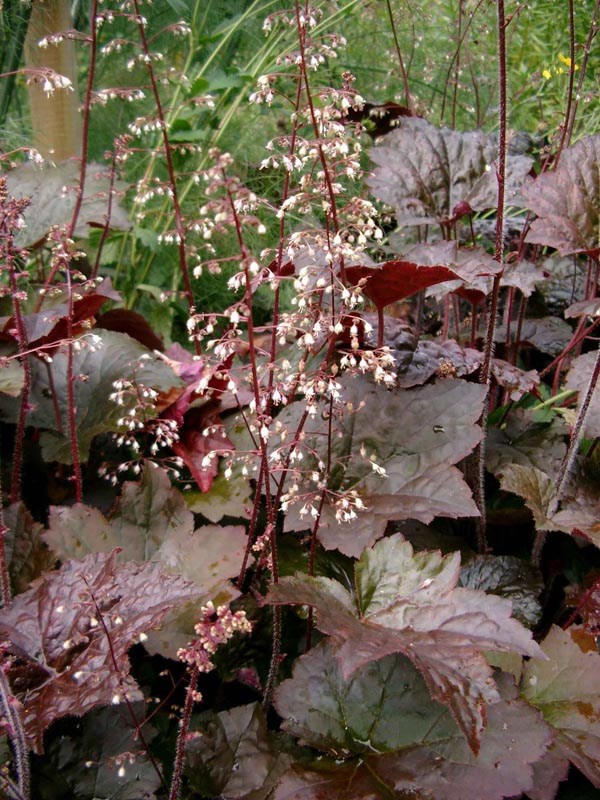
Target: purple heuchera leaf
column 414, row 436
column 567, row 201
column 408, row 603
column 428, row 174
column 383, row 714
column 64, row 659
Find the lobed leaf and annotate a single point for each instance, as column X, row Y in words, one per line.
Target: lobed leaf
column 234, row 756
column 578, row 506
column 416, row 436
column 116, row 765
column 52, row 204
column 118, row 358
column 26, row 554
column 548, row 334
column 65, row 659
column 567, row 201
column 152, row 521
column 391, row 281
column 407, row 741
column 432, row 357
column 566, row 689
column 425, row 172
column 510, row 577
column 409, row 603
column 522, row 440
column 577, row 379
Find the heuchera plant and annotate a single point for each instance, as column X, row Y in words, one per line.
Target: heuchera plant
column 348, row 550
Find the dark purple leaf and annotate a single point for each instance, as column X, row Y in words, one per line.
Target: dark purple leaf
column 515, row 380
column 425, row 172
column 415, row 436
column 56, row 627
column 473, row 266
column 124, row 320
column 584, row 308
column 522, row 275
column 442, row 359
column 391, row 281
column 548, row 334
column 578, row 378
column 152, row 521
column 567, row 201
column 50, row 324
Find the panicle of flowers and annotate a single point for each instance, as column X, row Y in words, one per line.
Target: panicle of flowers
column 128, row 94
column 49, row 78
column 380, row 363
column 64, row 251
column 262, row 548
column 12, row 210
column 149, row 124
column 149, row 437
column 215, row 628
column 347, row 506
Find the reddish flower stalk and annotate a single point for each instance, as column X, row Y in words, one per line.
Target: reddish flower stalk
column 486, row 369
column 179, row 224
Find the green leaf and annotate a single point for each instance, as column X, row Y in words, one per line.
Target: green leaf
column 578, row 504
column 146, row 515
column 234, row 756
column 189, row 135
column 536, row 488
column 384, row 706
column 416, row 436
column 408, row 603
column 566, row 688
column 148, row 238
column 228, row 497
column 407, row 741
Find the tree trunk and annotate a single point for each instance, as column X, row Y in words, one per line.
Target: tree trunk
column 55, row 119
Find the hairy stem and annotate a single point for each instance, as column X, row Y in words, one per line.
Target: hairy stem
column 11, row 708
column 486, row 369
column 184, row 727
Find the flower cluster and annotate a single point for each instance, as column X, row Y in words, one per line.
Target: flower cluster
column 216, row 627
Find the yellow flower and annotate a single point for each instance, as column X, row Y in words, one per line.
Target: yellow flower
column 566, row 61
column 547, row 74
